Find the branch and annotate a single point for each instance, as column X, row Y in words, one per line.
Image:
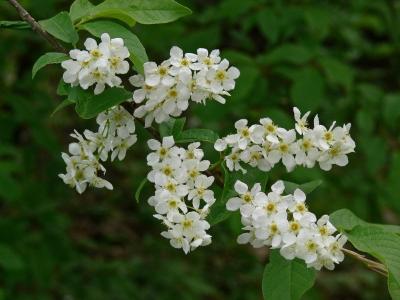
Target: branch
column 36, row 26
column 371, row 264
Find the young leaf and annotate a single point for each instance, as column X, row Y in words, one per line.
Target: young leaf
column 60, row 26
column 79, row 9
column 137, row 52
column 47, row 59
column 286, row 279
column 344, row 219
column 139, row 189
column 90, row 107
column 307, row 188
column 145, row 12
column 193, row 135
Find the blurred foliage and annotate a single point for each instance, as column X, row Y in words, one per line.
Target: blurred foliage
column 339, row 58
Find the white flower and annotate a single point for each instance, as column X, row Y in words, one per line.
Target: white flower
column 246, row 196
column 285, row 149
column 265, row 145
column 301, row 122
column 170, row 205
column 181, row 62
column 154, row 75
column 166, row 89
column 221, row 77
column 283, row 221
column 201, row 191
column 162, row 150
column 206, row 60
column 98, row 64
column 178, row 177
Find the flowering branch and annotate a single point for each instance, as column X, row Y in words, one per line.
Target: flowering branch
column 36, row 26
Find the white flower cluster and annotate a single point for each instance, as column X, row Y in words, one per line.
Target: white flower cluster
column 99, row 64
column 165, row 89
column 115, row 135
column 182, row 198
column 264, row 145
column 284, row 222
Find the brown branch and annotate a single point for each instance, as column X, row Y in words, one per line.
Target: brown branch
column 36, row 26
column 371, row 264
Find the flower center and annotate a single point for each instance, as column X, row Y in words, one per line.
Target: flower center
column 247, row 198
column 220, row 75
column 283, row 148
column 162, row 71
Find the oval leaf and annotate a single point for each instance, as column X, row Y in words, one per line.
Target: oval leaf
column 60, row 26
column 89, row 106
column 145, row 12
column 286, row 279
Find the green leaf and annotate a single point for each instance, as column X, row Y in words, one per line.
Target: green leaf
column 79, row 9
column 286, row 279
column 385, row 246
column 61, row 106
column 63, row 88
column 307, row 91
column 344, row 219
column 307, row 188
column 179, row 124
column 18, row 25
column 218, row 211
column 197, row 135
column 337, row 72
column 291, row 53
column 141, row 11
column 89, row 106
column 139, row 189
column 269, row 24
column 9, row 260
column 172, row 127
column 47, row 59
column 61, row 27
column 137, row 52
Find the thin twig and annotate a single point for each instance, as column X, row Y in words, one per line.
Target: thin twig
column 36, row 26
column 371, row 264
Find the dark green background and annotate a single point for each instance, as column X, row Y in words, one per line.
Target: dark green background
column 339, row 58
